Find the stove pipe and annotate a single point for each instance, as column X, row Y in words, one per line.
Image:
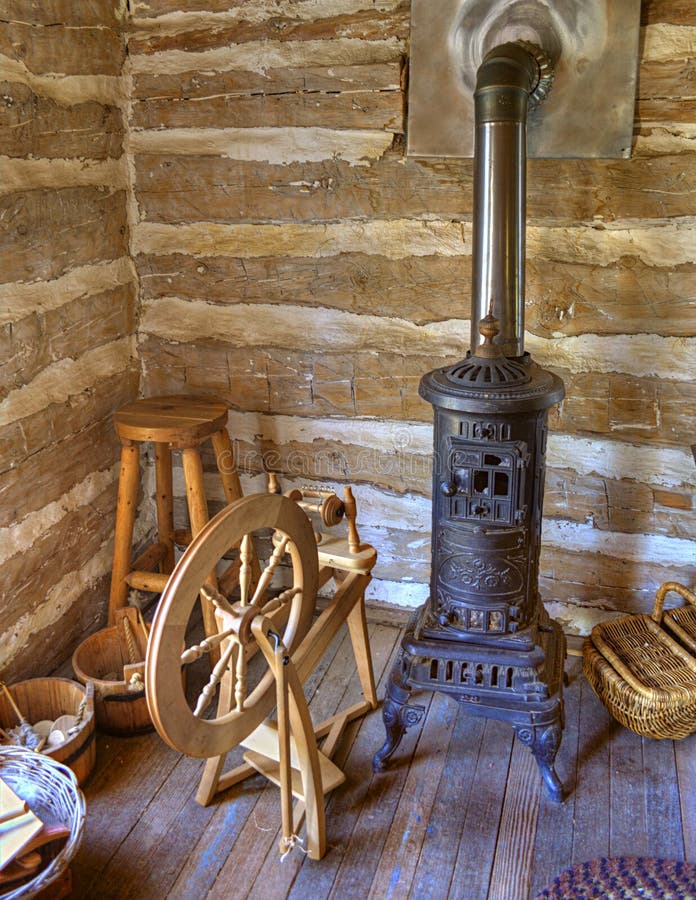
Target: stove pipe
column 511, row 79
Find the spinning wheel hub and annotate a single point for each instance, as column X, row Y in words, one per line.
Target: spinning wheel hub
column 240, row 621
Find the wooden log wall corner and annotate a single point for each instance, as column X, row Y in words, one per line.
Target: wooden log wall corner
column 291, row 260
column 67, row 314
column 295, row 262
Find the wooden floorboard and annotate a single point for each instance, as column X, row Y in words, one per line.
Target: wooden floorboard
column 553, row 848
column 461, row 812
column 662, row 811
column 472, row 868
column 627, row 824
column 512, row 863
column 445, row 827
column 685, row 752
column 397, row 863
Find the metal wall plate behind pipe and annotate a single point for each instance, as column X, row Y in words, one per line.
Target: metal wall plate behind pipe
column 593, row 45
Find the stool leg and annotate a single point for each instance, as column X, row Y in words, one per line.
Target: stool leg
column 165, row 504
column 224, row 456
column 125, row 522
column 198, row 514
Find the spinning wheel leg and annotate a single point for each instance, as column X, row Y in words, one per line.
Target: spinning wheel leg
column 357, row 626
column 208, row 787
column 293, row 714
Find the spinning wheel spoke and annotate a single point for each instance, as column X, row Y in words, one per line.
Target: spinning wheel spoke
column 267, row 574
column 208, row 692
column 240, row 679
column 278, row 601
column 246, row 552
column 214, row 596
column 191, row 654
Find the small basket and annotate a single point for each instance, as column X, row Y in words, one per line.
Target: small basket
column 643, row 676
column 110, row 659
column 51, row 792
column 681, row 621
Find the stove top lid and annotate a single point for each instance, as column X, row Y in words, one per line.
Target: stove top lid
column 478, row 374
column 488, row 367
column 489, row 381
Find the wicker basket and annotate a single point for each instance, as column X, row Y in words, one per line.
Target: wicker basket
column 643, row 676
column 51, row 791
column 681, row 621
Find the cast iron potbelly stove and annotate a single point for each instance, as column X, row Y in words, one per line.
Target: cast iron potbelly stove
column 484, row 637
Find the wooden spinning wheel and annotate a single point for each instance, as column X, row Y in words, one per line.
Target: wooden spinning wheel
column 276, row 622
column 239, row 713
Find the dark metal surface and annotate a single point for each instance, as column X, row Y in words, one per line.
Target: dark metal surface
column 592, row 44
column 524, row 689
column 484, row 636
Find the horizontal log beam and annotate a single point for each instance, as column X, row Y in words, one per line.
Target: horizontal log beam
column 362, row 78
column 370, row 109
column 362, row 25
column 562, row 298
column 54, row 231
column 302, row 329
column 61, row 49
column 88, row 130
column 392, row 187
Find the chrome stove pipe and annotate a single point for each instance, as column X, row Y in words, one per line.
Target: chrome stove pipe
column 506, row 79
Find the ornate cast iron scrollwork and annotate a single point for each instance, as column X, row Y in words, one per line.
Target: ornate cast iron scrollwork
column 544, row 743
column 397, row 715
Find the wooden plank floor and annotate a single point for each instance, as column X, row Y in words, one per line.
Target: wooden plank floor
column 459, row 814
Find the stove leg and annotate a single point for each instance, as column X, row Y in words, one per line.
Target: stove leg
column 397, row 715
column 544, row 742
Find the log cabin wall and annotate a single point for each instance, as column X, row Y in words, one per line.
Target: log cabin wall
column 68, row 314
column 293, row 261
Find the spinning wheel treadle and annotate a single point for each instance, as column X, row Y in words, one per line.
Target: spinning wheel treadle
column 276, row 622
column 238, row 713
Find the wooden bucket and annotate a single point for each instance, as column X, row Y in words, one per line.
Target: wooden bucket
column 50, row 698
column 113, row 659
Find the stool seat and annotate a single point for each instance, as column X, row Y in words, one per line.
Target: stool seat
column 178, row 420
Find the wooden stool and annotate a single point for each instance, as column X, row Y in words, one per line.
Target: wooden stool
column 171, row 423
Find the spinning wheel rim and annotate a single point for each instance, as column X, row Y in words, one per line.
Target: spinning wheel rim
column 169, row 708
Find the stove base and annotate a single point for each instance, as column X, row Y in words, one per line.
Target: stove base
column 524, row 688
